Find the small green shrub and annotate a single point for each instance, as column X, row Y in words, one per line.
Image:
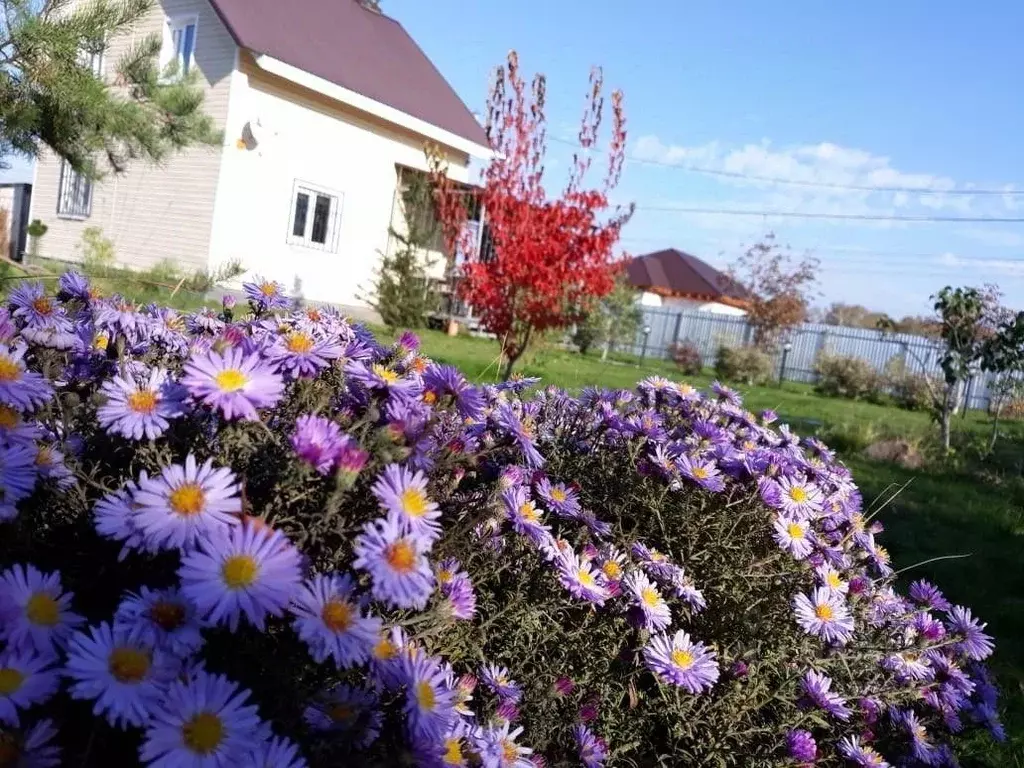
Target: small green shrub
column 97, row 251
column 687, row 357
column 847, row 376
column 747, row 365
column 908, row 389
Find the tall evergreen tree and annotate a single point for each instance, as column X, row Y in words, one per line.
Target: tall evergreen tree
column 50, row 95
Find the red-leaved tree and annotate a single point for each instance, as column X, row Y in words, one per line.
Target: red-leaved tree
column 546, row 259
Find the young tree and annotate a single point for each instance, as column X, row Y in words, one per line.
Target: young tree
column 548, row 257
column 401, row 292
column 611, row 321
column 50, row 95
column 779, row 285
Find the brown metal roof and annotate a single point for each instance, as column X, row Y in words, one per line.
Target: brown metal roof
column 677, row 273
column 353, row 47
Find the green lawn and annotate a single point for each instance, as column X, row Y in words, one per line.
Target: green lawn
column 960, row 507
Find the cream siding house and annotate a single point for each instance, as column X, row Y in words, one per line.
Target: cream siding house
column 322, row 104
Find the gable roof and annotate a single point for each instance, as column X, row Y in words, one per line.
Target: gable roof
column 356, row 48
column 675, row 273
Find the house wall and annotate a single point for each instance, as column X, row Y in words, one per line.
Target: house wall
column 308, row 137
column 648, row 299
column 152, row 213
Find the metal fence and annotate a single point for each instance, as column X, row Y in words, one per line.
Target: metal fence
column 708, row 331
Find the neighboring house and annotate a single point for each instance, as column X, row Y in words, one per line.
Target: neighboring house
column 15, row 199
column 323, row 104
column 677, row 280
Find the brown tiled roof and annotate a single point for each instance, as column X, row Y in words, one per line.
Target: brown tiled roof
column 676, row 273
column 353, row 47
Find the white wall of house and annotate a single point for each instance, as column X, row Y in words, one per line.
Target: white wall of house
column 317, row 143
column 648, row 299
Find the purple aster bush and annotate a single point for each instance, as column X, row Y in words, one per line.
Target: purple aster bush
column 261, row 537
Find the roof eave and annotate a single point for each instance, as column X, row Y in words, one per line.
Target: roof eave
column 371, row 106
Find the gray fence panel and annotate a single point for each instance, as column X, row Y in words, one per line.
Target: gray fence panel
column 708, row 331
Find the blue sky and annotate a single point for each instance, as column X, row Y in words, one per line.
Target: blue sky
column 874, row 93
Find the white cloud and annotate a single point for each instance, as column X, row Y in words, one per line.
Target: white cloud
column 1004, row 266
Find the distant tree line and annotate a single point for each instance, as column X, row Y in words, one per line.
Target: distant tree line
column 859, row 316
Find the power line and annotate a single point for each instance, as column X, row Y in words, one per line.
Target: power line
column 800, row 182
column 836, row 216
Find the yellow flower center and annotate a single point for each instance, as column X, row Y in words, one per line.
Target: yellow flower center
column 231, row 380
column 529, row 512
column 795, row 531
column 452, row 752
column 42, row 609
column 444, row 576
column 833, row 580
column 824, row 612
column 559, row 494
column 340, row 713
column 203, row 733
column 882, row 554
column 413, row 502
column 384, row 650
column 429, row 397
column 167, row 616
column 509, row 751
column 682, row 659
column 128, row 665
column 268, row 289
column 425, row 696
column 10, row 681
column 43, row 305
column 337, row 615
column 100, row 342
column 400, row 556
column 240, row 571
column 9, row 370
column 700, row 473
column 187, row 499
column 44, row 456
column 611, row 569
column 389, row 376
column 142, row 401
column 9, row 418
column 586, row 578
column 650, row 597
column 298, row 342
column 798, row 494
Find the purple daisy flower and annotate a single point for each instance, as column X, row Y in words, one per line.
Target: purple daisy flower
column 975, row 644
column 31, row 748
column 15, row 429
column 679, row 661
column 184, row 503
column 35, row 610
column 163, row 617
column 233, row 383
column 278, row 752
column 799, row 498
column 349, row 710
column 115, row 519
column 140, row 409
column 32, row 305
column 793, row 536
column 377, row 376
column 801, row 746
column 299, row 353
column 123, row 672
column 26, row 679
column 818, row 690
column 526, row 519
column 579, row 577
column 403, row 494
column 203, row 720
column 265, row 295
column 21, row 388
column 558, row 498
column 18, row 473
column 500, row 683
column 243, row 570
column 929, row 596
column 429, row 703
column 593, row 750
column 397, row 563
column 497, row 747
column 521, row 432
column 824, row 614
column 351, row 459
column 318, row 442
column 652, row 610
column 329, row 620
column 441, row 382
column 860, row 754
column 74, row 285
column 460, row 598
column 704, row 472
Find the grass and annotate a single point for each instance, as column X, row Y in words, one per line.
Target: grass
column 963, row 506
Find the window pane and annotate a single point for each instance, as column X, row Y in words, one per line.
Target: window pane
column 188, row 47
column 321, row 216
column 301, row 209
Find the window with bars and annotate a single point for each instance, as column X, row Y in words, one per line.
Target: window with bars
column 74, row 193
column 314, row 217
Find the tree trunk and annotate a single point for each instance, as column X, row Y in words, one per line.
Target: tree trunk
column 510, row 359
column 604, row 351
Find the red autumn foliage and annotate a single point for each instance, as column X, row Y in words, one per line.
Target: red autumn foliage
column 548, row 259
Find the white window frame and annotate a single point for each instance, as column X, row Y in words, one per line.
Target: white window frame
column 305, row 240
column 169, row 51
column 68, row 207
